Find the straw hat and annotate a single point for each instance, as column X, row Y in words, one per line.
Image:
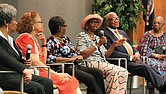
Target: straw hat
column 91, row 16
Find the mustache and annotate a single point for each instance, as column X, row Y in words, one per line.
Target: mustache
column 112, row 27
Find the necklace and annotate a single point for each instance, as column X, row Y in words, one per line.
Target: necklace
column 157, row 34
column 91, row 36
column 59, row 39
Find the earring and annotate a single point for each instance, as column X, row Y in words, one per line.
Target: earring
column 86, row 27
column 7, row 29
column 33, row 28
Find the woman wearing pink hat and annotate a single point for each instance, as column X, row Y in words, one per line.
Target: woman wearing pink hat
column 91, row 47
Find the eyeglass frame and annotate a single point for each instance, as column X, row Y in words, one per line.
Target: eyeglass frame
column 39, row 22
column 64, row 25
column 113, row 19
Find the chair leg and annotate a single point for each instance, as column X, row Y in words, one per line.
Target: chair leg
column 144, row 91
column 151, row 90
column 130, row 85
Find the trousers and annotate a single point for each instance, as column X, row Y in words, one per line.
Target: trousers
column 91, row 77
column 144, row 70
column 38, row 85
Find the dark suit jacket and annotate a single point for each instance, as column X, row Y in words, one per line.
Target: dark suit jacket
column 9, row 60
column 119, row 51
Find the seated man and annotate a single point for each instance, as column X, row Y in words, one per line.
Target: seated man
column 127, row 51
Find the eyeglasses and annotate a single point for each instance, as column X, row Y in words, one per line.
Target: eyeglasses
column 94, row 22
column 113, row 19
column 40, row 22
column 64, row 25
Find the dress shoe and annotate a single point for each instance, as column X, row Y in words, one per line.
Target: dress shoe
column 163, row 88
column 151, row 90
column 162, row 93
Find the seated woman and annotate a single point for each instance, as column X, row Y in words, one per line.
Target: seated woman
column 153, row 45
column 61, row 49
column 30, row 26
column 91, row 47
column 11, row 58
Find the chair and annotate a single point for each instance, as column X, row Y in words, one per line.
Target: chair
column 21, row 84
column 125, row 60
column 63, row 69
column 36, row 71
column 63, row 66
column 82, row 86
column 88, row 62
column 119, row 62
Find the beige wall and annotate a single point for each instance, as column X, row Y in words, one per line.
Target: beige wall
column 73, row 11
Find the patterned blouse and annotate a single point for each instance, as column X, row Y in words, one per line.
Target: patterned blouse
column 58, row 49
column 84, row 42
column 150, row 43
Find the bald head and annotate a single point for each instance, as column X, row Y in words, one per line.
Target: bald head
column 110, row 15
column 112, row 20
column 160, row 18
column 158, row 24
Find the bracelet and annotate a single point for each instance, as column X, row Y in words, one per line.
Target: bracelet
column 157, row 55
column 44, row 45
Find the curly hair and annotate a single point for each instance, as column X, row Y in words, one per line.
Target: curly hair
column 25, row 24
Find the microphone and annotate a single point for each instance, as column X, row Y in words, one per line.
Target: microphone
column 164, row 50
column 102, row 34
column 28, row 52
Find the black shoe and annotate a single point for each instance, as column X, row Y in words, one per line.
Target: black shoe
column 163, row 88
column 162, row 93
column 151, row 90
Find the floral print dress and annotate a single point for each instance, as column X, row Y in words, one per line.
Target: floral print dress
column 62, row 49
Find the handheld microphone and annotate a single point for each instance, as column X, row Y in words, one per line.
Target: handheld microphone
column 164, row 50
column 102, row 34
column 28, row 52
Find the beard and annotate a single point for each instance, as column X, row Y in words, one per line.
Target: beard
column 113, row 27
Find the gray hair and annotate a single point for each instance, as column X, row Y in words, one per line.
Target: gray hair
column 108, row 14
column 7, row 13
column 162, row 19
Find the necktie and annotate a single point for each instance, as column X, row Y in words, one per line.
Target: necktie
column 126, row 45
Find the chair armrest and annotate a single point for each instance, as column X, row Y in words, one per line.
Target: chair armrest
column 63, row 66
column 119, row 61
column 48, row 67
column 22, row 80
column 87, row 60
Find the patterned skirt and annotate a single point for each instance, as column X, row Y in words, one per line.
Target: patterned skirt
column 160, row 65
column 116, row 77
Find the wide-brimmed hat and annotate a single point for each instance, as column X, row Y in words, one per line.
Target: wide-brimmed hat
column 91, row 16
